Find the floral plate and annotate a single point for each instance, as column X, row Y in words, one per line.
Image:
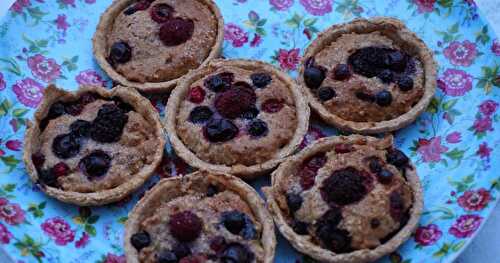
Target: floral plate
column 453, row 143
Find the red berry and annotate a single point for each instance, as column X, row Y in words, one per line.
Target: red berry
column 236, row 101
column 196, row 95
column 272, row 105
column 176, row 31
column 60, row 169
column 185, row 226
column 38, row 159
column 161, row 12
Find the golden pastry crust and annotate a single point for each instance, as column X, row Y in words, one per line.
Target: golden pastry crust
column 104, row 30
column 103, row 196
column 238, row 169
column 178, row 187
column 304, row 243
column 401, row 36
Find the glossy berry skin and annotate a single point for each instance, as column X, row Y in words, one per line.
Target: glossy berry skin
column 261, row 80
column 140, row 240
column 383, row 98
column 66, row 146
column 176, row 31
column 258, row 128
column 396, row 60
column 236, row 253
column 326, row 93
column 196, row 95
column 96, row 164
column 200, row 114
column 239, row 223
column 120, row 52
column 313, row 77
column 405, row 83
column 220, row 130
column 397, row 158
column 220, row 82
column 185, row 226
column 60, row 169
column 386, row 76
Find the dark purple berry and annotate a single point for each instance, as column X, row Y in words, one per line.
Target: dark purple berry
column 108, row 126
column 181, row 250
column 185, row 226
column 333, row 238
column 236, row 253
column 383, row 98
column 235, row 101
column 167, row 257
column 344, row 187
column 220, row 130
column 375, row 165
column 46, row 177
column 60, row 169
column 66, row 146
column 368, row 61
column 397, row 61
column 300, row 227
column 95, row 164
column 374, row 223
column 385, row 176
column 342, row 72
column 217, row 244
column 386, row 76
column 239, row 223
column 120, row 52
column 74, row 108
column 405, row 83
column 250, row 113
column 80, row 128
column 364, row 96
column 161, row 12
column 140, row 240
column 294, row 201
column 313, row 77
column 257, row 128
column 57, row 109
column 212, row 190
column 331, row 217
column 261, row 80
column 397, row 158
column 200, row 114
column 272, row 105
column 219, row 82
column 176, row 31
column 326, row 93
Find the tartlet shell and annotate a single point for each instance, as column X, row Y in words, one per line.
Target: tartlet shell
column 169, row 188
column 129, row 95
column 99, row 41
column 245, row 172
column 304, row 245
column 398, row 32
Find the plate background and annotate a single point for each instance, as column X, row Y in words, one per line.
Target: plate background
column 453, row 143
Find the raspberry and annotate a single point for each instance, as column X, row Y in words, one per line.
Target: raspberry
column 341, row 72
column 108, row 126
column 161, row 12
column 344, row 187
column 185, row 226
column 220, row 130
column 220, row 82
column 95, row 164
column 234, row 102
column 239, row 223
column 368, row 61
column 66, row 146
column 261, row 80
column 272, row 105
column 60, row 169
column 196, row 95
column 176, row 31
column 194, row 259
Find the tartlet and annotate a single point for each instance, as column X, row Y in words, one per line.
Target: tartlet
column 201, row 217
column 236, row 116
column 151, row 44
column 94, row 146
column 346, row 199
column 368, row 76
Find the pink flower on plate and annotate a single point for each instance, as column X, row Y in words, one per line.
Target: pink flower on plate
column 44, row 68
column 432, row 149
column 61, row 22
column 484, row 151
column 425, row 6
column 89, row 77
column 317, row 7
column 59, row 230
column 19, row 5
column 461, row 53
column 312, row 135
column 112, row 258
column 488, row 107
column 14, row 145
column 11, row 213
column 5, row 235
column 2, row 82
column 482, row 124
column 474, row 200
column 427, row 235
column 257, row 39
column 465, row 226
column 235, row 34
column 455, row 82
column 28, row 92
column 454, row 137
column 83, row 241
column 281, row 5
column 289, row 59
column 495, row 47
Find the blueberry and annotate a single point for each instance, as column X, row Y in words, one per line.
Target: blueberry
column 397, row 158
column 66, row 146
column 219, row 82
column 300, row 227
column 342, row 72
column 396, row 60
column 384, row 176
column 140, row 240
column 220, row 130
column 236, row 253
column 95, row 164
column 239, row 223
column 313, row 77
column 120, row 52
column 167, row 257
column 250, row 113
column 383, row 98
column 257, row 128
column 261, row 80
column 294, row 201
column 405, row 83
column 326, row 93
column 200, row 114
column 80, row 128
column 386, row 76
